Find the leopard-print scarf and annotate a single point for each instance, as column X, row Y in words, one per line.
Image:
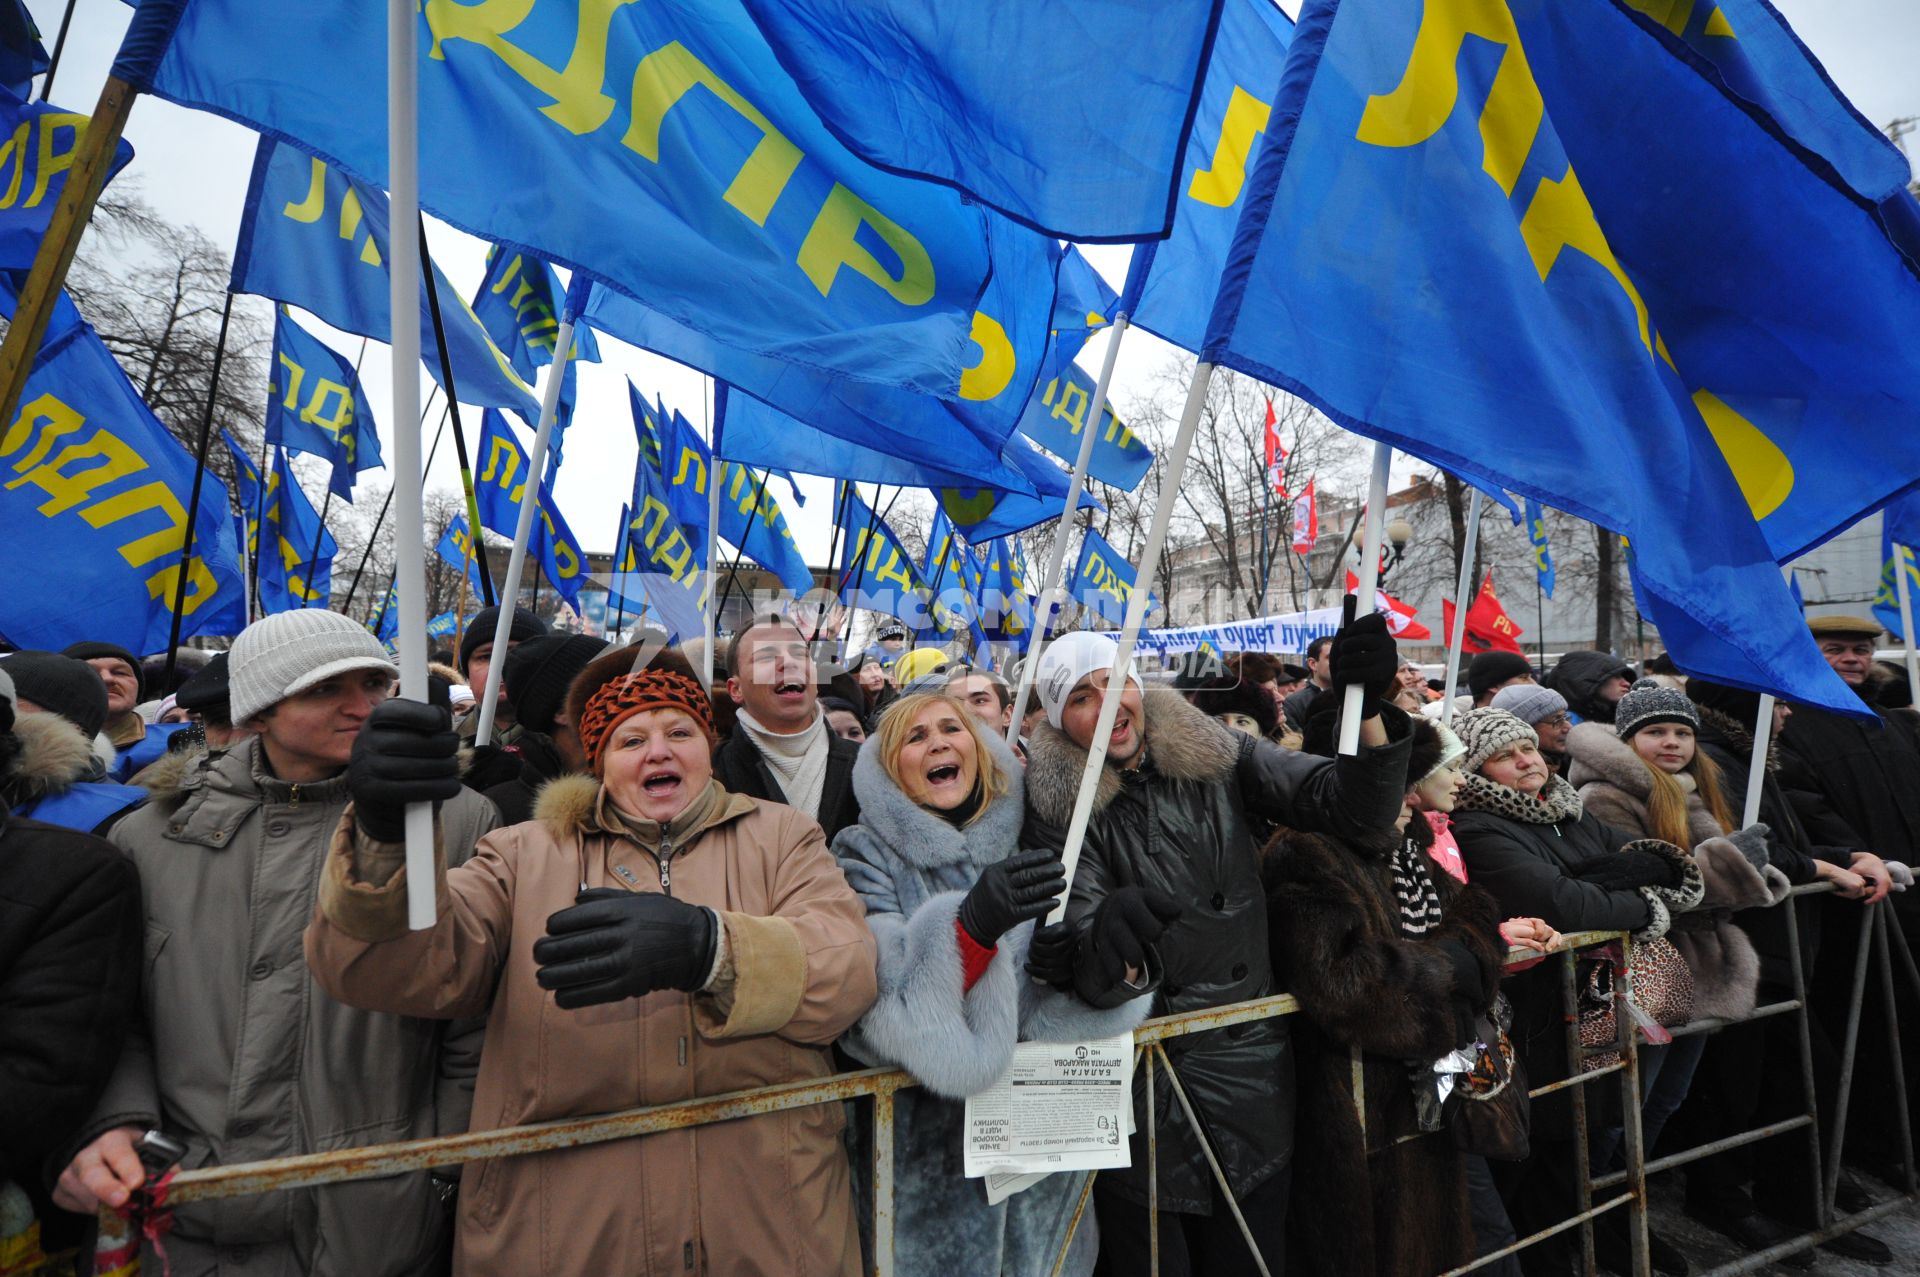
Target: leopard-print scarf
column 1558, row 802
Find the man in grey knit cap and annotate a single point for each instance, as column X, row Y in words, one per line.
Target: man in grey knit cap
column 237, row 1053
column 1544, row 710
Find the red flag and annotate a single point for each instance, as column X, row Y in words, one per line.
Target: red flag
column 1489, row 628
column 1276, row 455
column 1400, row 622
column 1306, row 521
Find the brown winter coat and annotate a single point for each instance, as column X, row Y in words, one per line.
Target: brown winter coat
column 1372, row 1208
column 238, row 1054
column 762, row 1195
column 1615, row 787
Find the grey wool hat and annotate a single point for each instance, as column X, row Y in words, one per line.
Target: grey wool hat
column 1487, row 731
column 288, row 652
column 1529, row 702
column 1650, row 701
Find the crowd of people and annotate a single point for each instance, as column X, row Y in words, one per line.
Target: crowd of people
column 652, row 888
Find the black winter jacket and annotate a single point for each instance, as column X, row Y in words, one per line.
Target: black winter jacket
column 540, row 762
column 1857, row 784
column 737, row 764
column 70, row 936
column 1529, row 866
column 1181, row 823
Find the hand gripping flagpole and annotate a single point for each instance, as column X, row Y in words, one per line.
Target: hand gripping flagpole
column 1143, row 570
column 1457, row 639
column 1376, row 518
column 403, row 164
column 523, row 524
column 1057, row 556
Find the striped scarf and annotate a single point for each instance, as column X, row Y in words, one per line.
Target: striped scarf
column 1413, row 888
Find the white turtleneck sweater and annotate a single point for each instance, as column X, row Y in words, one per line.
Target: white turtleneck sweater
column 798, row 759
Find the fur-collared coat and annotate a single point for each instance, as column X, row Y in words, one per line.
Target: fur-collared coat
column 56, row 776
column 766, row 1194
column 1182, row 822
column 912, row 869
column 1370, row 1206
column 1616, row 787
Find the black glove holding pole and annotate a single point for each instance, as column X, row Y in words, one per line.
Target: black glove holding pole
column 1364, row 655
column 1051, row 956
column 1629, row 868
column 615, row 944
column 1009, row 892
column 406, row 752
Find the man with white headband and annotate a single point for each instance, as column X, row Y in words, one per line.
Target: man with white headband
column 1170, row 871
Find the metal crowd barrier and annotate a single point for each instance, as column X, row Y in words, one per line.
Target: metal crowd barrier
column 1878, row 934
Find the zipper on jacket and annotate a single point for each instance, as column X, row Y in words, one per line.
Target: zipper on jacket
column 686, row 1255
column 666, row 869
column 293, row 799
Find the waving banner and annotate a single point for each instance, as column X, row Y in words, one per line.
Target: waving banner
column 97, row 485
column 315, row 405
column 39, row 148
column 501, row 472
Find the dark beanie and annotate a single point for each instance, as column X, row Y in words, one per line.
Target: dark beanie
column 480, row 630
column 1736, row 703
column 540, row 670
column 94, row 651
column 1490, row 669
column 1226, row 694
column 62, row 685
column 206, row 692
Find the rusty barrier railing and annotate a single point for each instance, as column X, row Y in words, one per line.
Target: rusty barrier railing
column 1879, row 935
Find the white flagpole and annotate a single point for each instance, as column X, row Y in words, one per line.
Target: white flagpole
column 1457, row 640
column 1369, row 590
column 1757, row 765
column 403, row 165
column 1057, row 556
column 523, row 527
column 1143, row 570
column 713, row 540
column 1902, row 556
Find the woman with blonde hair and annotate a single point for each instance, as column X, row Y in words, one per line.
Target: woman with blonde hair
column 648, row 938
column 953, row 903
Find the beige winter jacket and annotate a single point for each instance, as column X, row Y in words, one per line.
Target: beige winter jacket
column 240, row 1055
column 760, row 1195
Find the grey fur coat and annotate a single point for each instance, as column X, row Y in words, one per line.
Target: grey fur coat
column 1615, row 787
column 912, row 869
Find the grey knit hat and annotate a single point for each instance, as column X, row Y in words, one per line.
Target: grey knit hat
column 289, row 652
column 1487, row 731
column 1529, row 702
column 1650, row 701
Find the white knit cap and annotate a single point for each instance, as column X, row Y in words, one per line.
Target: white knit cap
column 289, row 652
column 1067, row 660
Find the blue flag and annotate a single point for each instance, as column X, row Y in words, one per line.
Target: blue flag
column 458, row 549
column 314, row 237
column 875, row 571
column 1537, row 538
column 1753, row 51
column 1005, row 354
column 93, row 511
column 984, row 513
column 385, row 622
column 1899, row 525
column 1171, row 282
column 954, row 580
column 446, row 625
column 1102, row 580
column 22, row 56
column 535, row 122
column 315, row 405
column 659, row 567
column 519, row 306
column 987, row 98
column 501, row 472
column 750, row 516
column 1007, row 592
column 296, row 563
column 1430, row 266
column 34, row 159
column 246, row 491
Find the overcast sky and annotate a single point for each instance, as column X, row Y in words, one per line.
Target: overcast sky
column 193, row 167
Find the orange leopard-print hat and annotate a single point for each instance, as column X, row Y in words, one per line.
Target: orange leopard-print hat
column 631, row 694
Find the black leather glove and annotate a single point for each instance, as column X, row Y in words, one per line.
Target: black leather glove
column 405, row 753
column 1024, row 885
column 1128, row 921
column 1629, row 868
column 1050, row 958
column 615, row 944
column 1365, row 655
